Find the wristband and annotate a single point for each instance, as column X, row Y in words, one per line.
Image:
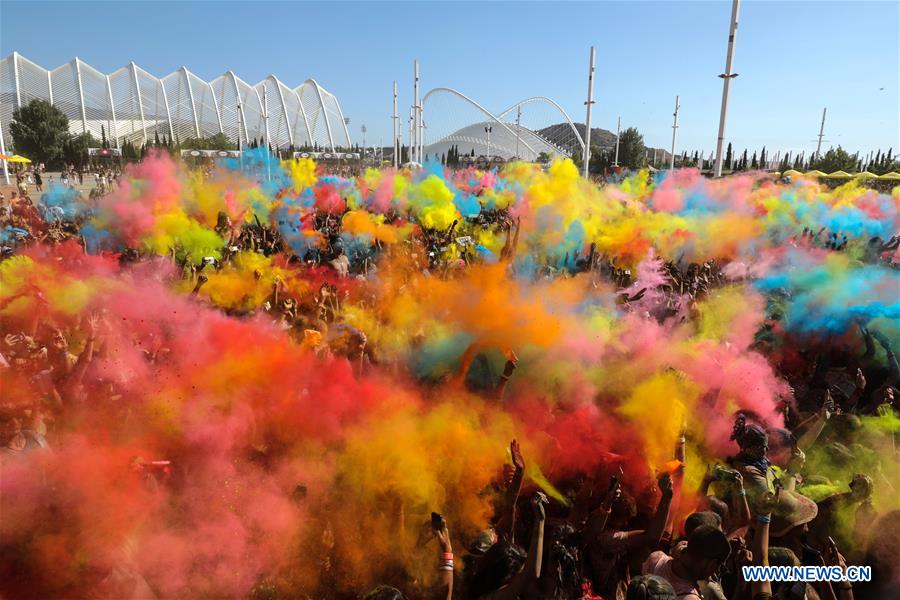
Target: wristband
column 445, row 568
column 764, row 519
column 742, row 492
column 447, row 555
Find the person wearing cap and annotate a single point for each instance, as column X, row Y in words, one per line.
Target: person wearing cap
column 706, row 551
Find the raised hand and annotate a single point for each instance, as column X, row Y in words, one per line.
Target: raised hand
column 860, row 380
column 516, row 453
column 538, row 503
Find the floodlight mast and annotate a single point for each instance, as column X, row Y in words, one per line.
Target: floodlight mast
column 727, row 76
column 674, row 132
column 396, row 122
column 587, row 118
column 821, row 135
column 618, row 129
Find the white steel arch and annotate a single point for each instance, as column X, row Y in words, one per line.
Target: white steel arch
column 552, row 103
column 133, row 104
column 318, row 89
column 475, row 104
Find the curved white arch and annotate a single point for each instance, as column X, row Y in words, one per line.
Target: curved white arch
column 318, row 89
column 240, row 106
column 287, row 119
column 552, row 103
column 476, row 105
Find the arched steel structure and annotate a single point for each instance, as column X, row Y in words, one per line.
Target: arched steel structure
column 131, row 104
column 578, row 139
column 511, row 139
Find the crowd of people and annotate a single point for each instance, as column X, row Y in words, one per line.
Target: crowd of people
column 267, row 380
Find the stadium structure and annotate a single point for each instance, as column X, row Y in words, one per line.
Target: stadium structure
column 528, row 129
column 131, row 104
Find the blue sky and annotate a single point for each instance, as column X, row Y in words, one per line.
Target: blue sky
column 793, row 58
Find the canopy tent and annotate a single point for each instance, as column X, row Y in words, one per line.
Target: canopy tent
column 866, row 175
column 792, row 173
column 839, row 175
column 815, row 174
column 892, row 176
column 15, row 158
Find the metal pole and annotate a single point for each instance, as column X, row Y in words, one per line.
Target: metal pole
column 416, row 114
column 618, row 128
column 587, row 118
column 674, row 131
column 518, row 123
column 3, row 151
column 821, row 134
column 396, row 123
column 266, row 121
column 240, row 139
column 727, row 76
column 412, row 119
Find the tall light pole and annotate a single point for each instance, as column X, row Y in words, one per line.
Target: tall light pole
column 363, row 129
column 587, row 118
column 518, row 123
column 674, row 132
column 618, row 128
column 395, row 120
column 417, row 115
column 412, row 127
column 488, row 129
column 821, row 134
column 727, row 76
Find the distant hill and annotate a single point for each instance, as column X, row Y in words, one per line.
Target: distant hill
column 559, row 133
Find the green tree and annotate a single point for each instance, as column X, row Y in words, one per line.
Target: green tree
column 632, row 152
column 836, row 159
column 728, row 158
column 785, row 162
column 40, row 131
column 601, row 161
column 76, row 147
column 215, row 142
column 754, row 164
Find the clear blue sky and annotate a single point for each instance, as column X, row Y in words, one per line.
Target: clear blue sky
column 793, row 57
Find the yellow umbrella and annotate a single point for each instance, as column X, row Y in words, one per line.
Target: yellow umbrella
column 815, row 173
column 792, row 173
column 866, row 175
column 892, row 176
column 839, row 175
column 18, row 159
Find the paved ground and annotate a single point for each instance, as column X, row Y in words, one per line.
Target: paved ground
column 48, row 177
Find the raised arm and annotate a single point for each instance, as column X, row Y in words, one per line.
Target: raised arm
column 526, row 579
column 84, row 359
column 507, row 522
column 445, row 564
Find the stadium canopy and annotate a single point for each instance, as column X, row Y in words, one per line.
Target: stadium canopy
column 839, row 175
column 131, row 104
column 892, row 176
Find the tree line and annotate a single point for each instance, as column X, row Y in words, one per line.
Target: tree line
column 40, row 131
